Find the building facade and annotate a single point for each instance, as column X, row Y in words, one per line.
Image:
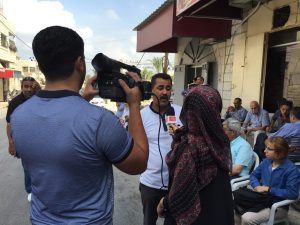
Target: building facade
column 8, row 57
column 259, row 60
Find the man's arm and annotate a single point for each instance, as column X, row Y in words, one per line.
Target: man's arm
column 243, row 116
column 11, row 146
column 136, row 162
column 236, row 169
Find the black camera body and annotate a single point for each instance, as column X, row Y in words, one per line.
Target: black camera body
column 108, row 74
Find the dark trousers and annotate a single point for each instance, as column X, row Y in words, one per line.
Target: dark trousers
column 260, row 146
column 150, row 199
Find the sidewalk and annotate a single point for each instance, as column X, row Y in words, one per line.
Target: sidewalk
column 294, row 217
column 3, row 105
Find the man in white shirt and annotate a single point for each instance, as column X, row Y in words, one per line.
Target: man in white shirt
column 154, row 181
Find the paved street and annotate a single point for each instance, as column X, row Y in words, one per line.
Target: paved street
column 13, row 199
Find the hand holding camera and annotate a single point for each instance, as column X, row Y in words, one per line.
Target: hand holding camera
column 89, row 92
column 133, row 95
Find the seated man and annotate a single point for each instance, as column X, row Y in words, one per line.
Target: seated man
column 241, row 151
column 289, row 131
column 256, row 120
column 280, row 117
column 237, row 112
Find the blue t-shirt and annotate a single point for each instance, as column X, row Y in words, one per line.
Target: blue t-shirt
column 242, row 154
column 68, row 147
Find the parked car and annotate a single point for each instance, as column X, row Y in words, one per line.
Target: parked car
column 98, row 101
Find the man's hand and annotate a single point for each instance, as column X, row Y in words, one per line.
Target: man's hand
column 12, row 149
column 161, row 212
column 133, row 95
column 230, row 109
column 36, row 86
column 171, row 128
column 261, row 189
column 89, row 92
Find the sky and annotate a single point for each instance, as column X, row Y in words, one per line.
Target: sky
column 105, row 25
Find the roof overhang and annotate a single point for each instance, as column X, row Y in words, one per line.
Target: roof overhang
column 214, row 9
column 161, row 30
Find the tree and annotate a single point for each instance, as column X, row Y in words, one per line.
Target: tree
column 146, row 74
column 157, row 63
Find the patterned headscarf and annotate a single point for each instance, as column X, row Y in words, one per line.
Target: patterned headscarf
column 199, row 147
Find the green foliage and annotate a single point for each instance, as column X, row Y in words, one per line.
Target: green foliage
column 146, row 74
column 157, row 63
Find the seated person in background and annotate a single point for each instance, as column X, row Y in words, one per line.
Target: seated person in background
column 289, row 131
column 256, row 121
column 275, row 175
column 237, row 112
column 280, row 117
column 241, row 150
column 198, row 80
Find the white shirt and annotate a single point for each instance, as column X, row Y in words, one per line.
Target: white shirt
column 152, row 177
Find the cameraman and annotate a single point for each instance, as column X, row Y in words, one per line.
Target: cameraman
column 73, row 144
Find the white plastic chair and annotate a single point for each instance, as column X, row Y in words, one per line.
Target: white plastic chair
column 274, row 207
column 247, row 177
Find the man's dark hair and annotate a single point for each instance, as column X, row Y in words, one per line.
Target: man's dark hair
column 287, row 103
column 56, row 49
column 296, row 112
column 160, row 75
column 239, row 99
column 27, row 79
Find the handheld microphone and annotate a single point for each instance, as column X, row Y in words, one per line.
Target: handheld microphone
column 170, row 117
column 170, row 120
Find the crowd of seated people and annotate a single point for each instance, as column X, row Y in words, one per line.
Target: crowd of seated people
column 284, row 123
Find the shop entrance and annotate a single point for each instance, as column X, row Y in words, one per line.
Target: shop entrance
column 282, row 77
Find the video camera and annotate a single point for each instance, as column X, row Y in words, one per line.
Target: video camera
column 108, row 74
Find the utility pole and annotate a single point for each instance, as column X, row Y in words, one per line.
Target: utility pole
column 165, row 63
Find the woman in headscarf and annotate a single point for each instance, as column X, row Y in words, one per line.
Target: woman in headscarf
column 199, row 165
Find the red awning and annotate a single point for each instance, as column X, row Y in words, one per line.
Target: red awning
column 6, row 73
column 161, row 30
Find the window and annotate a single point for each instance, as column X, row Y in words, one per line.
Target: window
column 32, row 69
column 281, row 16
column 4, row 41
column 25, row 69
